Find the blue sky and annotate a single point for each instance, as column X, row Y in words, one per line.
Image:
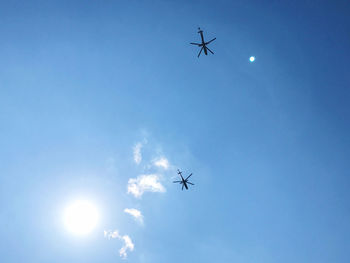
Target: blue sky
column 83, row 84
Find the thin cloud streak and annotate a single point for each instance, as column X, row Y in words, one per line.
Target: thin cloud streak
column 145, row 183
column 137, row 153
column 135, row 213
column 127, row 242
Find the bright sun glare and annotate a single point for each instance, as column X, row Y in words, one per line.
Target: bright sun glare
column 81, row 217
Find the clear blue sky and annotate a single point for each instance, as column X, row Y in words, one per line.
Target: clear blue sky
column 82, row 83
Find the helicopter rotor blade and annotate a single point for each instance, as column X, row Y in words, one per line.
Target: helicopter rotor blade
column 210, row 41
column 200, row 52
column 188, row 176
column 210, row 51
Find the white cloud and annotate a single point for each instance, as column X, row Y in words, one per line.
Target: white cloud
column 137, row 153
column 135, row 213
column 128, row 245
column 110, row 234
column 145, row 183
column 162, row 162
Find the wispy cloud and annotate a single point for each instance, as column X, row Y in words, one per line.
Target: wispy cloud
column 137, row 153
column 145, row 183
column 127, row 242
column 135, row 213
column 162, row 162
column 127, row 245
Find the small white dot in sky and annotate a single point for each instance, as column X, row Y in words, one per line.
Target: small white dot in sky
column 252, row 59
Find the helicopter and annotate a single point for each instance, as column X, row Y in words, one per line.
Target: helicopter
column 203, row 44
column 183, row 181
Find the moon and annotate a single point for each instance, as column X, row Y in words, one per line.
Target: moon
column 81, row 217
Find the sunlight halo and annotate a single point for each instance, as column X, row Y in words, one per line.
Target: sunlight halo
column 81, row 217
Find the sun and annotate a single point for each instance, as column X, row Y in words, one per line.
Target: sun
column 81, row 217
